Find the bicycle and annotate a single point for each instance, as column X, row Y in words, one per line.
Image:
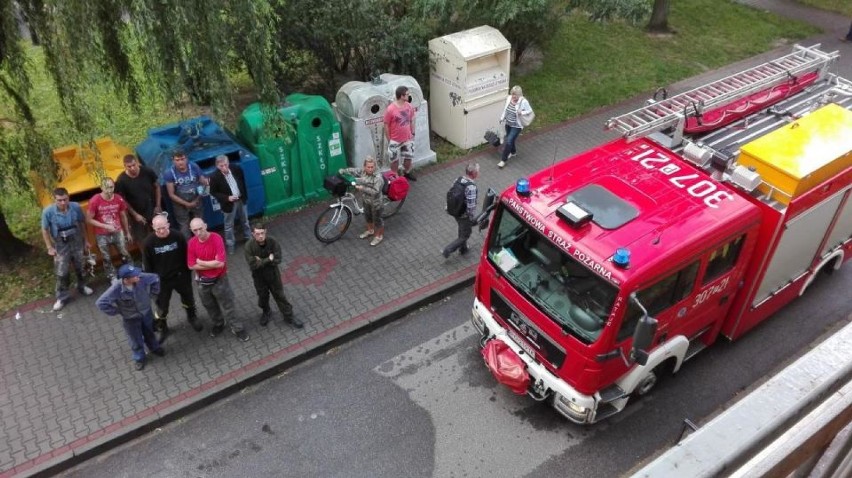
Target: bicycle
column 333, row 223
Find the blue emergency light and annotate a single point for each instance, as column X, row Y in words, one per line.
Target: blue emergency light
column 621, row 258
column 522, row 187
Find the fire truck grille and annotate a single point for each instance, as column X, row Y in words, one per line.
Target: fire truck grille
column 519, row 324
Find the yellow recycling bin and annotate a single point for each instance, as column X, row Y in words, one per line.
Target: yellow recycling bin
column 78, row 173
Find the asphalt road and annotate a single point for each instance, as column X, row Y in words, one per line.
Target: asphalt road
column 413, row 399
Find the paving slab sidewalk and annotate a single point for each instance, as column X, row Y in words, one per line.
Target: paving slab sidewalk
column 67, row 386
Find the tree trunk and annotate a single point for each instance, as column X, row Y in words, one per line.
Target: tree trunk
column 659, row 22
column 10, row 246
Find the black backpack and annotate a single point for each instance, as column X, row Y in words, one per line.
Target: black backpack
column 456, row 201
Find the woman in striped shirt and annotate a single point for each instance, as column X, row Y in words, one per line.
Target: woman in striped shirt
column 516, row 114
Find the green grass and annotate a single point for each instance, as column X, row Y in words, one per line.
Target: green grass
column 113, row 115
column 587, row 66
column 839, row 6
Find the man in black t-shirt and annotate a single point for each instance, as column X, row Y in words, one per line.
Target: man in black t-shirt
column 165, row 255
column 138, row 186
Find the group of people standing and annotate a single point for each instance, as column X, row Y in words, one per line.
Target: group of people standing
column 130, row 210
column 400, row 130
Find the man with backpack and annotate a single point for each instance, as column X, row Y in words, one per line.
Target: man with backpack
column 461, row 204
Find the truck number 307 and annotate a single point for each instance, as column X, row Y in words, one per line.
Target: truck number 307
column 693, row 183
column 711, row 291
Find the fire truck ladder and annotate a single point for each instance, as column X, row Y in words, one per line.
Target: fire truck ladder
column 672, row 112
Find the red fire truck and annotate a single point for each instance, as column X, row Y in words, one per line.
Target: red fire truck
column 718, row 206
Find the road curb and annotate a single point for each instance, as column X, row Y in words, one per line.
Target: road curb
column 232, row 382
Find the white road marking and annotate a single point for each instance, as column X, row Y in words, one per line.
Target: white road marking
column 471, row 412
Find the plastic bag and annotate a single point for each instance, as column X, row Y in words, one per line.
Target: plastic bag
column 506, row 366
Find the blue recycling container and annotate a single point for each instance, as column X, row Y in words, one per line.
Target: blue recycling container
column 202, row 139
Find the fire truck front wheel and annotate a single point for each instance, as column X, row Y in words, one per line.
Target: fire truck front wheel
column 654, row 377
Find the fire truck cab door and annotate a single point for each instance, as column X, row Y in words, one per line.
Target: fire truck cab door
column 721, row 270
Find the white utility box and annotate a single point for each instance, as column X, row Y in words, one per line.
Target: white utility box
column 469, row 83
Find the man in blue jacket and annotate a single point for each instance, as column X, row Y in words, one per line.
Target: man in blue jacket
column 130, row 297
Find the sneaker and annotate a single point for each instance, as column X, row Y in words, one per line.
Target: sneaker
column 86, row 290
column 139, row 365
column 501, row 164
column 376, row 240
column 366, row 234
column 241, row 335
column 463, row 250
column 409, row 177
column 511, row 155
column 294, row 322
column 216, row 330
column 58, row 305
column 264, row 318
column 160, row 352
column 445, row 253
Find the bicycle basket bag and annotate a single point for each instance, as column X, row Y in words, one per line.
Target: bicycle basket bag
column 456, row 201
column 335, row 185
column 395, row 186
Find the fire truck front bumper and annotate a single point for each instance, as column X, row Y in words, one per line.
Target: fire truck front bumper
column 575, row 406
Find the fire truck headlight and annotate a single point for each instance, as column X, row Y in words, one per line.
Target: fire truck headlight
column 579, row 412
column 478, row 322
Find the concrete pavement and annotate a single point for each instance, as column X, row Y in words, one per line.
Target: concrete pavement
column 67, row 386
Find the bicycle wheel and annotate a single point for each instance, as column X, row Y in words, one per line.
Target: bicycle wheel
column 389, row 208
column 332, row 224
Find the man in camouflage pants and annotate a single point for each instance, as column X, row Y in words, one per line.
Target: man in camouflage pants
column 369, row 182
column 64, row 232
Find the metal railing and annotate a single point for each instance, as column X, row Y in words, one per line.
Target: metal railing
column 796, row 424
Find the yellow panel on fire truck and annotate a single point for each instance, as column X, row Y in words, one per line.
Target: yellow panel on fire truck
column 794, row 159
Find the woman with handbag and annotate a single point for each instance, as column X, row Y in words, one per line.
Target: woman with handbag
column 517, row 114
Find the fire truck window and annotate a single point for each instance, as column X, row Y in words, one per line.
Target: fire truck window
column 723, row 259
column 659, row 297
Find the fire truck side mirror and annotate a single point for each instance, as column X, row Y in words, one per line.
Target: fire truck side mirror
column 488, row 203
column 643, row 337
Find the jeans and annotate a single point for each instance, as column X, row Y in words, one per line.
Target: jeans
column 509, row 142
column 117, row 240
column 140, row 332
column 183, row 215
column 465, row 227
column 218, row 299
column 239, row 213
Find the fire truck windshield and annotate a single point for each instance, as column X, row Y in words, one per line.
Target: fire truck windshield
column 563, row 289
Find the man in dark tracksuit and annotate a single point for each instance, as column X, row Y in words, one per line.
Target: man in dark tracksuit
column 263, row 255
column 165, row 255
